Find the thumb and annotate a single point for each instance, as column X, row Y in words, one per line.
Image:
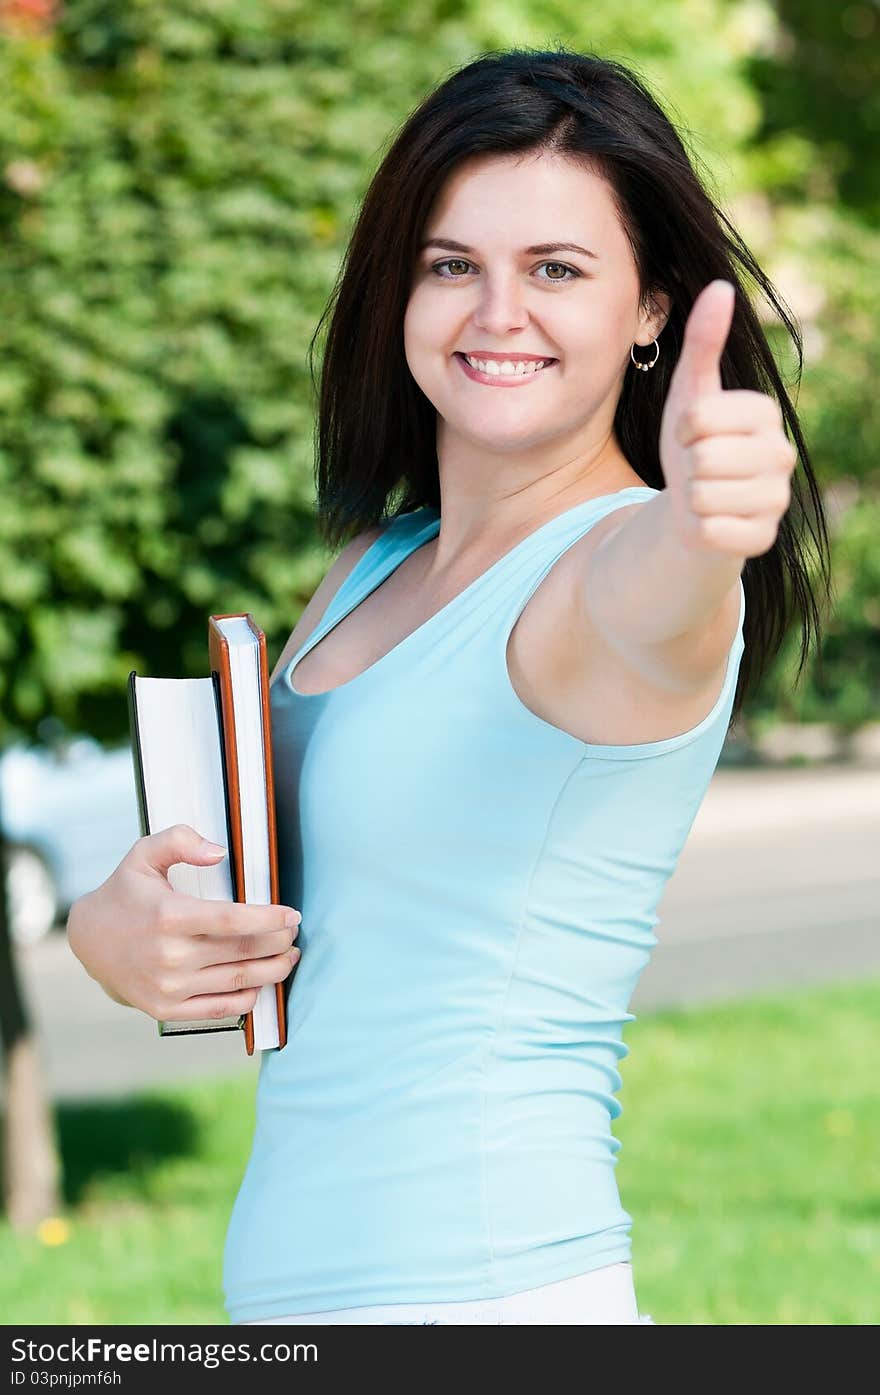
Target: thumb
column 698, row 369
column 179, row 843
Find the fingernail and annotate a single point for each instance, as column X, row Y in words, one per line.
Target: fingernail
column 291, row 919
column 294, row 955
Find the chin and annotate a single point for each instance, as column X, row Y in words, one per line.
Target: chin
column 516, row 439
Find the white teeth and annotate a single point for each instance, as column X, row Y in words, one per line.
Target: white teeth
column 506, row 368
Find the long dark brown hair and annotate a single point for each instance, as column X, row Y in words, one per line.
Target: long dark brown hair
column 376, row 430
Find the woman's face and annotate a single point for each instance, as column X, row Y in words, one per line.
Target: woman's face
column 499, row 294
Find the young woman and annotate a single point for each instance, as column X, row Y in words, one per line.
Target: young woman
column 557, row 453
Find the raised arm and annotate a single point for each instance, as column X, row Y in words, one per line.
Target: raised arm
column 662, row 583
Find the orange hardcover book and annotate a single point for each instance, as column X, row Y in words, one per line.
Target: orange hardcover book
column 220, row 660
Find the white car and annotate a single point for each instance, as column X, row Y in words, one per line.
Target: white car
column 69, row 814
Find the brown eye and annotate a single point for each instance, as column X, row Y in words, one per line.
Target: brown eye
column 451, row 261
column 562, row 267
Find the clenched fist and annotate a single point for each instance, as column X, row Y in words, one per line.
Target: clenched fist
column 726, row 459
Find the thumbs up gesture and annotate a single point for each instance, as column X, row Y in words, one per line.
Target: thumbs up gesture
column 726, row 459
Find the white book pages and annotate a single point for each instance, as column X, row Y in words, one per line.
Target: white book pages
column 182, row 762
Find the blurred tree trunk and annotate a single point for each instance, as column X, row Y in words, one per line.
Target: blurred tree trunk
column 31, row 1166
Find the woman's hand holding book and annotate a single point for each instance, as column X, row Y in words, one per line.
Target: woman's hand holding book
column 173, row 956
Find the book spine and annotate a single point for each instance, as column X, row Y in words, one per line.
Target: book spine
column 218, row 654
column 274, row 874
column 137, row 759
column 136, row 756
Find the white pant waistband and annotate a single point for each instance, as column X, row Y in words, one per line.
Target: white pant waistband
column 605, row 1295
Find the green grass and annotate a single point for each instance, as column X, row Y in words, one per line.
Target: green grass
column 749, row 1163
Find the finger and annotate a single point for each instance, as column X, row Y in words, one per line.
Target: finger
column 247, row 973
column 198, row 915
column 738, row 458
column 205, row 950
column 739, row 537
column 720, row 458
column 177, row 990
column 209, row 1006
column 751, row 498
column 698, row 369
column 739, row 411
column 178, row 843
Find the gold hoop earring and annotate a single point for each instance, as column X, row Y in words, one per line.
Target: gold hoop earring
column 645, row 366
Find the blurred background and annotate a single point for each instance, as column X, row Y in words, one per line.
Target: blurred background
column 177, row 186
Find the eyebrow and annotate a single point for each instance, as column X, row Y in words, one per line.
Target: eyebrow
column 539, row 249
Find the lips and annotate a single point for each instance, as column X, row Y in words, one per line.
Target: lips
column 503, row 379
column 509, row 358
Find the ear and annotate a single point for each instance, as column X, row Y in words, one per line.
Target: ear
column 655, row 317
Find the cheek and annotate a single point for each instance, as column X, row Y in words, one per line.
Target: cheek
column 589, row 323
column 425, row 323
column 422, row 340
column 619, row 316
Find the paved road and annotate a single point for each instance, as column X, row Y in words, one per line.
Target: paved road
column 778, row 886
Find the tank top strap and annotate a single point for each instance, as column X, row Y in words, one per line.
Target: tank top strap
column 530, row 563
column 490, row 606
column 400, row 536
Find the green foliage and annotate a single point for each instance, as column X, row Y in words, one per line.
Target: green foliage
column 177, row 185
column 845, row 691
column 827, row 89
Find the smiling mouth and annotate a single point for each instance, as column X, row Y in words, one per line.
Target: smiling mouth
column 497, row 378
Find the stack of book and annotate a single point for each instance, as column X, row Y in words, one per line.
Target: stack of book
column 202, row 755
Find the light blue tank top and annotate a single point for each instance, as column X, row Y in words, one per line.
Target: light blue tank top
column 478, row 892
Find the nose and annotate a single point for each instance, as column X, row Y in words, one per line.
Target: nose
column 501, row 305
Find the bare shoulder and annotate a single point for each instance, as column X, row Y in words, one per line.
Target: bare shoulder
column 686, row 664
column 602, row 530
column 324, row 593
column 567, row 672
